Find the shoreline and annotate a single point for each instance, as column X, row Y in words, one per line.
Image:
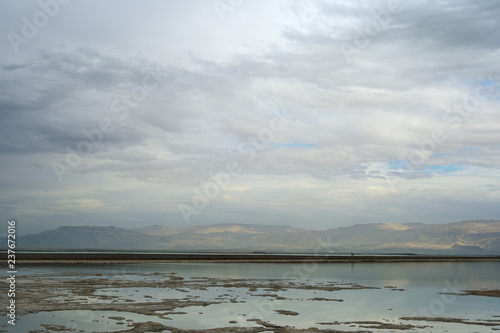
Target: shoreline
column 73, row 258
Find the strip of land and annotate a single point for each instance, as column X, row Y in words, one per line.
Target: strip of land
column 90, row 257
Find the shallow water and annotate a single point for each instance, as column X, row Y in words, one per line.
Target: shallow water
column 242, row 291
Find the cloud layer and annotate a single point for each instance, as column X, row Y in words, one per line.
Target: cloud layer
column 289, row 112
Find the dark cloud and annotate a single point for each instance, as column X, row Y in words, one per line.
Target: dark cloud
column 14, row 67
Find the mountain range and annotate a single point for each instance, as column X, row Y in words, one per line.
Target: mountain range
column 468, row 237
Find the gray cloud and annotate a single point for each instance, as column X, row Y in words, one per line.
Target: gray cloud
column 358, row 145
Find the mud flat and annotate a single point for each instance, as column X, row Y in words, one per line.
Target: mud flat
column 68, row 257
column 154, row 301
column 76, row 290
column 81, row 291
column 190, row 293
column 454, row 320
column 489, row 293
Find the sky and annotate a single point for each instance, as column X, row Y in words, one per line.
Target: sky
column 313, row 114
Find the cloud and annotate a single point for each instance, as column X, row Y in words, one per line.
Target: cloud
column 360, row 143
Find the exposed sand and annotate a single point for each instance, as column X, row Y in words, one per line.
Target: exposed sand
column 454, row 320
column 26, row 258
column 488, row 293
column 75, row 290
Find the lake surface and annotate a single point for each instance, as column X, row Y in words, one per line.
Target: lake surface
column 359, row 297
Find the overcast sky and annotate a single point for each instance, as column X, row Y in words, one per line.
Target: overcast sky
column 315, row 114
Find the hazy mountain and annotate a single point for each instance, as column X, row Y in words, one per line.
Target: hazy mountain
column 478, row 237
column 86, row 237
column 463, row 235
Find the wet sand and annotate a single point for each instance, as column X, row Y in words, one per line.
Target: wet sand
column 489, row 293
column 90, row 257
column 79, row 290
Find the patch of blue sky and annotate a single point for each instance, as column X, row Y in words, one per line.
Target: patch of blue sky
column 495, row 86
column 446, row 168
column 488, row 83
column 293, row 144
column 396, row 164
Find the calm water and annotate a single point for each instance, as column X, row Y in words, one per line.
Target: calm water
column 405, row 289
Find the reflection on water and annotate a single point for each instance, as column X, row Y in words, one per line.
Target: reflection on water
column 324, row 296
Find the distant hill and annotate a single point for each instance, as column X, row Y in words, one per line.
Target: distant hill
column 466, row 237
